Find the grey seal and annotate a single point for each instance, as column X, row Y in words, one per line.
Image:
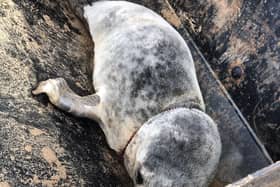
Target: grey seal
column 147, row 101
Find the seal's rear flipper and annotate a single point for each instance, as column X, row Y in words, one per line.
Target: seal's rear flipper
column 64, row 98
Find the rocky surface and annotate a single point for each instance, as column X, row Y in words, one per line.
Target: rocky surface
column 40, row 145
column 240, row 40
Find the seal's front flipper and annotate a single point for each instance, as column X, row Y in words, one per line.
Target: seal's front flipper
column 64, row 98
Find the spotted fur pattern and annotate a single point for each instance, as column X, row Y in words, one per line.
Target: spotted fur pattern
column 179, row 147
column 147, row 96
column 142, row 66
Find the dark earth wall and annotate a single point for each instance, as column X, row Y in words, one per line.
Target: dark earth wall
column 240, row 40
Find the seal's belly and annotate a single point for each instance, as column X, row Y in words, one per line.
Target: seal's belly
column 141, row 70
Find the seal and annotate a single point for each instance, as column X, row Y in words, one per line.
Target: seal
column 147, row 101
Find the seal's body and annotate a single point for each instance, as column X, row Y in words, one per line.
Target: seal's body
column 142, row 66
column 144, row 69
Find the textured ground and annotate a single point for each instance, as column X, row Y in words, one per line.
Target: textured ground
column 38, row 144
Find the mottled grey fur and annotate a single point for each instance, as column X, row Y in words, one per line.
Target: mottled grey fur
column 143, row 67
column 180, row 147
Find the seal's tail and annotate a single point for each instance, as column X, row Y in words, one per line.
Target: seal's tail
column 77, row 7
